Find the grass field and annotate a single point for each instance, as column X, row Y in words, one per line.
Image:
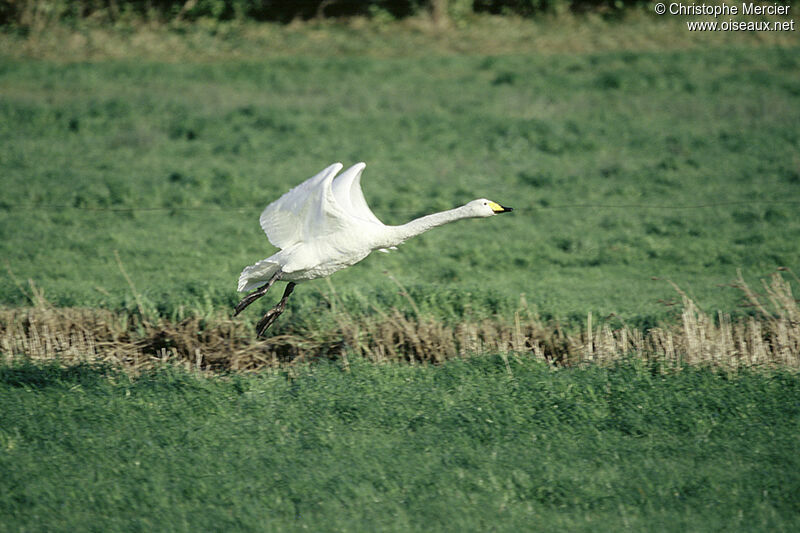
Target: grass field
column 461, row 447
column 131, row 189
column 208, row 145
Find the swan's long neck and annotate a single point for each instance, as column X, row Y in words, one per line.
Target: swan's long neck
column 399, row 234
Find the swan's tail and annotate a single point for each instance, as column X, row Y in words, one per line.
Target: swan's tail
column 257, row 275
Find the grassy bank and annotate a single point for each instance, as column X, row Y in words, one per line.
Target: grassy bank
column 206, row 40
column 399, row 448
column 769, row 338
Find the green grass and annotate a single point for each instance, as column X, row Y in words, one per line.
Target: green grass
column 534, row 132
column 461, row 447
column 168, row 165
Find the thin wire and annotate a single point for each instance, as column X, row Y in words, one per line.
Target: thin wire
column 254, row 208
column 694, row 206
column 130, row 209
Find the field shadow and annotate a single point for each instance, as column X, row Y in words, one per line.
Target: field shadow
column 40, row 376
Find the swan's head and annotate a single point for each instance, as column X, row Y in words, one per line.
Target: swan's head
column 486, row 208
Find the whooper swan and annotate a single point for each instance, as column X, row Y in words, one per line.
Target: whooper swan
column 324, row 225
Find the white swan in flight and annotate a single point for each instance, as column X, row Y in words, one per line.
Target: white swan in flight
column 324, row 225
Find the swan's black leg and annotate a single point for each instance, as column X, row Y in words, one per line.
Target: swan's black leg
column 256, row 294
column 273, row 313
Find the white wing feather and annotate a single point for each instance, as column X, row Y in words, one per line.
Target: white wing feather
column 308, row 211
column 347, row 190
column 257, row 275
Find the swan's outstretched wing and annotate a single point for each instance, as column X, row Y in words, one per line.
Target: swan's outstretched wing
column 347, row 190
column 308, row 211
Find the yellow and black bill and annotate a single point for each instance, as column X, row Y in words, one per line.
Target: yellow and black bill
column 497, row 208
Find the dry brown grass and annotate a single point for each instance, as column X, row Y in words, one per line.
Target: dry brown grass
column 419, row 36
column 769, row 338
